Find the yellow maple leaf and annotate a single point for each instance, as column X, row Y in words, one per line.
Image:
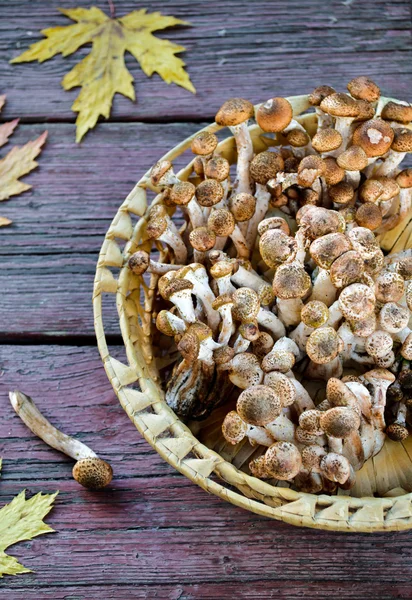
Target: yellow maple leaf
column 103, row 72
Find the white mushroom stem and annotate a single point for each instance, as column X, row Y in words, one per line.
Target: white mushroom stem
column 244, row 156
column 184, row 303
column 324, row 120
column 303, row 400
column 244, row 278
column 241, row 244
column 323, row 288
column 405, row 203
column 301, row 334
column 343, row 126
column 206, row 349
column 241, row 344
column 326, row 370
column 388, row 167
column 289, row 310
column 259, row 436
column 195, row 213
column 269, row 321
column 287, row 345
column 282, row 429
column 363, row 397
column 40, row 426
column 335, row 315
column 262, row 204
column 173, row 239
column 353, row 178
column 400, row 336
column 206, row 297
column 224, row 285
column 227, row 328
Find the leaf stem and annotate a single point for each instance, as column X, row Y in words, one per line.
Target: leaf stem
column 112, row 9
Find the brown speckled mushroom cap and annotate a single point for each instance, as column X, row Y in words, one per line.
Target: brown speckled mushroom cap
column 342, row 193
column 164, row 325
column 291, row 281
column 265, row 166
column 175, row 286
column 326, row 140
column 338, row 394
column 164, row 281
column 402, row 141
column 397, row 432
column 310, row 168
column 297, row 138
column 374, row 137
column 366, row 111
column 278, row 360
column 378, row 344
column 223, row 355
column 243, row 206
column 204, row 143
column 258, row 405
column 390, row 188
column 282, row 386
column 276, row 247
column 333, row 172
column 159, row 170
column 370, row 190
column 221, row 222
column 319, row 221
column 273, row 223
column 93, row 473
column 258, row 469
column 326, row 249
column 217, row 168
column 309, row 421
column 364, row 242
column 249, row 331
column 182, row 193
column 340, row 105
column 369, row 215
column 283, row 460
column 221, row 268
column 234, row 111
column 353, row 159
column 320, row 93
column 404, row 268
column 246, row 304
column 234, row 429
column 312, row 456
column 363, row 88
column 209, row 193
column 222, row 300
column 314, row 314
column 357, row 301
column 404, row 178
column 139, row 262
column 323, row 345
column 189, row 346
column 389, row 287
column 202, row 239
column 401, row 113
column 335, row 467
column 364, row 327
column 406, row 350
column 155, row 227
column 393, row 317
column 375, row 264
column 339, row 421
column 274, row 115
column 263, row 344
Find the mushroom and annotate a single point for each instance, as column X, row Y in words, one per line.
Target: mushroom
column 243, row 208
column 218, row 168
column 203, row 145
column 244, row 372
column 397, row 431
column 244, row 276
column 183, row 194
column 363, row 88
column 323, row 347
column 277, row 248
column 223, row 305
column 375, row 137
column 221, row 272
column 398, row 113
column 357, row 302
column 90, row 470
column 140, row 262
column 234, row 114
column 401, row 145
column 179, row 292
column 283, row 461
column 353, row 160
column 170, row 324
column 201, row 239
column 315, row 99
column 314, row 314
column 299, row 140
column 197, row 276
column 344, row 110
column 160, row 227
column 223, row 224
column 291, row 283
column 326, row 140
column 162, row 174
column 258, row 405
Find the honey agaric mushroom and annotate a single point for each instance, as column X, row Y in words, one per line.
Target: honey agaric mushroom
column 397, row 431
column 201, row 290
column 344, row 110
column 314, row 314
column 290, row 284
column 179, row 292
column 315, row 99
column 335, row 467
column 223, row 224
column 396, row 112
column 275, row 115
column 283, row 460
column 201, row 239
column 223, row 305
column 375, row 137
column 393, row 317
column 363, row 88
column 170, row 324
column 353, row 160
column 389, row 287
column 333, row 172
column 341, row 194
column 183, row 194
column 203, row 145
column 90, row 470
column 277, row 248
column 258, row 405
column 282, row 386
column 364, row 242
column 235, row 114
column 378, row 344
column 140, row 262
column 326, row 140
column 357, row 301
column 221, row 272
column 209, row 193
column 401, row 145
column 369, row 215
column 244, row 276
column 162, row 228
column 242, row 206
column 299, row 140
column 162, row 174
column 263, row 345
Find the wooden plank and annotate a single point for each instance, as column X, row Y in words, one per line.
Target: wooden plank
column 153, row 528
column 235, row 48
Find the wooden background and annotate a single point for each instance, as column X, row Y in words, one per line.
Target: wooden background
column 154, row 534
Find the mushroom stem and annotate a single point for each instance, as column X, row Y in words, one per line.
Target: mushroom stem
column 244, row 156
column 269, row 321
column 389, row 165
column 262, row 204
column 90, row 470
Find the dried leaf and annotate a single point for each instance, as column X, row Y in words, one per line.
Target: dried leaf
column 5, row 221
column 103, row 72
column 22, row 520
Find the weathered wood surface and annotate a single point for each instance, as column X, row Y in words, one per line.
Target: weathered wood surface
column 154, row 534
column 252, row 49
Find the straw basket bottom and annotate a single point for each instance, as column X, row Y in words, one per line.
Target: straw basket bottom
column 380, row 500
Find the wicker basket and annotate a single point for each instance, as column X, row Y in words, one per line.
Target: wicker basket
column 379, row 501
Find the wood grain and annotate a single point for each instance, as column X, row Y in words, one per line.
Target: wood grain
column 234, row 48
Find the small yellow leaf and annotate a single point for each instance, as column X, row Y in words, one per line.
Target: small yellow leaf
column 5, row 221
column 6, row 130
column 18, row 162
column 103, row 72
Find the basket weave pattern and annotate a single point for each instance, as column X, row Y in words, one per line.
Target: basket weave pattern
column 146, row 407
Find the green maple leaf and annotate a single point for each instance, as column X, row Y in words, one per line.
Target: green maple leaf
column 103, row 72
column 22, row 520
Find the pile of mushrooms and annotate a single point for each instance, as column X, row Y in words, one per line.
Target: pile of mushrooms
column 277, row 277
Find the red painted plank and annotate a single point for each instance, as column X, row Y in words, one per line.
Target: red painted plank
column 234, row 48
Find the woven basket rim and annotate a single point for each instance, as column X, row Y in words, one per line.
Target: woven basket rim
column 339, row 513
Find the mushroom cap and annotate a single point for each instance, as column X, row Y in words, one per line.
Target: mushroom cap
column 234, row 111
column 283, row 460
column 335, row 467
column 338, row 394
column 217, row 168
column 274, row 115
column 139, row 262
column 265, row 166
column 221, row 222
column 312, row 456
column 375, row 264
column 304, row 437
column 189, row 346
column 276, row 247
column 209, row 192
column 357, row 301
column 164, row 325
column 364, row 242
column 319, row 221
column 93, row 473
column 202, row 239
column 263, row 344
column 404, row 268
column 406, row 350
column 401, row 113
column 278, row 360
column 326, row 140
column 323, row 345
column 365, row 327
column 282, row 386
column 353, row 159
column 246, row 304
column 309, row 421
column 291, row 281
column 273, row 223
column 369, row 215
column 397, row 432
column 333, row 172
column 378, row 344
column 309, row 196
column 366, row 111
column 341, row 193
column 249, row 331
column 339, row 421
column 374, row 137
column 326, row 249
column 319, row 94
column 340, row 105
column 258, row 469
column 244, row 372
column 222, row 268
column 234, row 429
column 402, row 142
column 164, row 281
column 265, row 293
column 389, row 287
column 363, row 88
column 393, row 317
column 159, row 170
column 182, row 193
column 258, row 405
column 404, row 178
column 314, row 314
column 243, row 206
column 385, row 361
column 156, row 227
column 297, row 138
column 223, row 355
column 204, row 143
column 222, row 300
column 310, row 168
column 176, row 286
column 390, row 188
column 370, row 190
